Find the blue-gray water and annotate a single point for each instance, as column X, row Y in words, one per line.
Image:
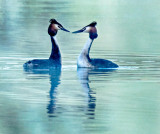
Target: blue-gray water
column 84, row 101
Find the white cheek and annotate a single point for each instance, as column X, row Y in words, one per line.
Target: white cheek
column 87, row 29
column 57, row 26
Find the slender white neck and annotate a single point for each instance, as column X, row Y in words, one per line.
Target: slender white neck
column 86, row 48
column 83, row 59
column 55, row 39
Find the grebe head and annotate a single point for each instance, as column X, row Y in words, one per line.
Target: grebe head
column 91, row 29
column 54, row 27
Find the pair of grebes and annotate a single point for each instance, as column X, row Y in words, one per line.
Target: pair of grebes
column 83, row 60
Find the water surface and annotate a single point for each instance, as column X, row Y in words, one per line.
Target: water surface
column 67, row 100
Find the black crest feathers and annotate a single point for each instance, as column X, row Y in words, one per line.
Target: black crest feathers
column 93, row 24
column 53, row 21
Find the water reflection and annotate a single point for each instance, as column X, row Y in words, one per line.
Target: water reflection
column 83, row 75
column 54, row 81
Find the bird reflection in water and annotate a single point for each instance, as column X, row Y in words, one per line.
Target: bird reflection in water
column 83, row 75
column 55, row 81
column 54, row 75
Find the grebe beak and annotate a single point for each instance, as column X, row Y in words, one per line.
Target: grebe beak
column 62, row 28
column 79, row 31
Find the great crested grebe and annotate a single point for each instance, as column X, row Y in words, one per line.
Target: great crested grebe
column 84, row 60
column 55, row 57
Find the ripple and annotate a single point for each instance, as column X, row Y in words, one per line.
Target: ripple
column 128, row 68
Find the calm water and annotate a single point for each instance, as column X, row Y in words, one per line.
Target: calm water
column 83, row 101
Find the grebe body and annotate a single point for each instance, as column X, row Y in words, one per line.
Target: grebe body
column 84, row 59
column 55, row 56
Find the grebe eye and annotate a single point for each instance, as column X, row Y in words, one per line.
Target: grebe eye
column 59, row 26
